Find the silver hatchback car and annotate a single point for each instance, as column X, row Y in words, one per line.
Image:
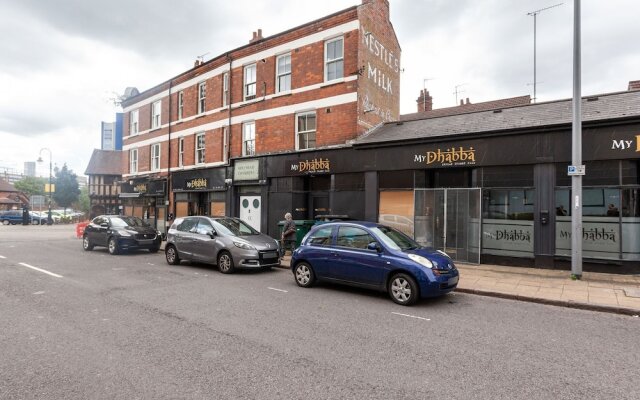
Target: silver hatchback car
column 226, row 242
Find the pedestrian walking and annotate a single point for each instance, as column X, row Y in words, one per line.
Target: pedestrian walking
column 288, row 240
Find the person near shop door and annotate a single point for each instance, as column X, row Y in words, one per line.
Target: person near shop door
column 288, row 240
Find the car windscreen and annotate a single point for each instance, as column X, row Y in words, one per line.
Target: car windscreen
column 123, row 222
column 233, row 227
column 395, row 239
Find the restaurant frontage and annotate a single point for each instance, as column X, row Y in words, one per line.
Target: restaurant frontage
column 199, row 192
column 146, row 198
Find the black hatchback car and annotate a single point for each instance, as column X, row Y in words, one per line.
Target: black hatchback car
column 119, row 233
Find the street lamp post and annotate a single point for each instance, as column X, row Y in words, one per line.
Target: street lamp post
column 49, row 220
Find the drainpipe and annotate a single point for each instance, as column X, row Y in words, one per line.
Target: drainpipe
column 168, row 189
column 229, row 102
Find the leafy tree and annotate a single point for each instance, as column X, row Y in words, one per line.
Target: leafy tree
column 66, row 190
column 31, row 185
column 84, row 203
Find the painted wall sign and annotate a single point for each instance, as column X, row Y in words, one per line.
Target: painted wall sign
column 246, row 170
column 380, row 52
column 600, row 239
column 316, row 165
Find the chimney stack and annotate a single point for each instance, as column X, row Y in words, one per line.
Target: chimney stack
column 634, row 85
column 256, row 36
column 424, row 101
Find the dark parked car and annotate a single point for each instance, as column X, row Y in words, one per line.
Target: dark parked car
column 119, row 233
column 227, row 242
column 375, row 256
column 12, row 217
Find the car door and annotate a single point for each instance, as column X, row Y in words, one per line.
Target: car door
column 353, row 261
column 319, row 252
column 185, row 237
column 205, row 247
column 97, row 233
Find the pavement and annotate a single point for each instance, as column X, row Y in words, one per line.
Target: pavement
column 612, row 293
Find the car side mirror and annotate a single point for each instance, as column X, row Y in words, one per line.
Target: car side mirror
column 374, row 246
column 212, row 234
column 104, row 224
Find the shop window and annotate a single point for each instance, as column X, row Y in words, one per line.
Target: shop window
column 349, row 181
column 396, row 210
column 630, row 171
column 631, row 203
column 395, row 179
column 512, row 204
column 511, row 176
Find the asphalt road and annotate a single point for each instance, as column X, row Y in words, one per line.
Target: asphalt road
column 133, row 327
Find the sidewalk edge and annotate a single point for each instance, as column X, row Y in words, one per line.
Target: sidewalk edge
column 559, row 303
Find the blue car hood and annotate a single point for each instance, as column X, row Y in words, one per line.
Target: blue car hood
column 442, row 261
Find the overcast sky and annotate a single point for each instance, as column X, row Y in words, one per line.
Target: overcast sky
column 63, row 61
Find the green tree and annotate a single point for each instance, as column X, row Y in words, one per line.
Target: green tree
column 31, row 185
column 84, row 203
column 66, row 190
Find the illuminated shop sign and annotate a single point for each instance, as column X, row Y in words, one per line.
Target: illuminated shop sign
column 454, row 156
column 316, row 165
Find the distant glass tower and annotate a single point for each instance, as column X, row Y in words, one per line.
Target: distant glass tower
column 29, row 168
column 111, row 134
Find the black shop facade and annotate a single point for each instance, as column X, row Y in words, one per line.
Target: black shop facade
column 492, row 197
column 146, row 198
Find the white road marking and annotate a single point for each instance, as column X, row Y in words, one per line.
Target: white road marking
column 41, row 270
column 3, row 257
column 411, row 316
column 278, row 290
column 40, row 292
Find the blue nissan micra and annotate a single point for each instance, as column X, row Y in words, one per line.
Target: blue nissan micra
column 370, row 255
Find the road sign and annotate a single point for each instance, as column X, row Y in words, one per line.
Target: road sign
column 573, row 170
column 49, row 188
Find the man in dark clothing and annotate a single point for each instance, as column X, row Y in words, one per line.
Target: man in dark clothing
column 288, row 235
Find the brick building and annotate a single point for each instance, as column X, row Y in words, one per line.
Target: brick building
column 196, row 144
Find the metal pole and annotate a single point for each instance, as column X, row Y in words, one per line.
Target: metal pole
column 534, row 58
column 49, row 221
column 576, row 151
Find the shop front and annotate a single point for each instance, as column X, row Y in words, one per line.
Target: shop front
column 250, row 191
column 146, row 199
column 199, row 192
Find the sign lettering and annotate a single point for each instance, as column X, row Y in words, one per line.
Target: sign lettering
column 449, row 157
column 197, row 183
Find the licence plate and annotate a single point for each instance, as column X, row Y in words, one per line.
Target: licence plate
column 270, row 254
column 452, row 281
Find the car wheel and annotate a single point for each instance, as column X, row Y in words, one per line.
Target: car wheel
column 34, row 222
column 86, row 244
column 225, row 263
column 113, row 246
column 403, row 289
column 305, row 277
column 5, row 222
column 171, row 254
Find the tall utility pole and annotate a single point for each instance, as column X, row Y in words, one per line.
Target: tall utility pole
column 576, row 150
column 535, row 15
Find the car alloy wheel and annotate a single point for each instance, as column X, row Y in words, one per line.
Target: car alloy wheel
column 225, row 263
column 113, row 246
column 403, row 289
column 86, row 244
column 172, row 255
column 5, row 222
column 304, row 275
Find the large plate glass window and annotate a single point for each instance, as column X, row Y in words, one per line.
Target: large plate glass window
column 200, row 148
column 334, row 59
column 250, row 82
column 248, row 138
column 283, row 73
column 306, row 130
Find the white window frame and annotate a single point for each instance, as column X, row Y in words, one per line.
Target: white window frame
column 249, row 87
column 181, row 152
column 249, row 138
column 202, row 97
column 306, row 132
column 155, row 157
column 133, row 161
column 198, row 149
column 133, row 122
column 156, row 114
column 225, row 89
column 328, row 61
column 180, row 104
column 282, row 74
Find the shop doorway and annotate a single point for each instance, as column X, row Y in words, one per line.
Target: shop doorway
column 449, row 220
column 250, row 207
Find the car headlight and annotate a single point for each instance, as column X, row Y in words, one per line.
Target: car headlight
column 124, row 234
column 421, row 260
column 244, row 245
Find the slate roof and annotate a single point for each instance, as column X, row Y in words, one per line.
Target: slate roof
column 554, row 113
column 469, row 108
column 105, row 162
